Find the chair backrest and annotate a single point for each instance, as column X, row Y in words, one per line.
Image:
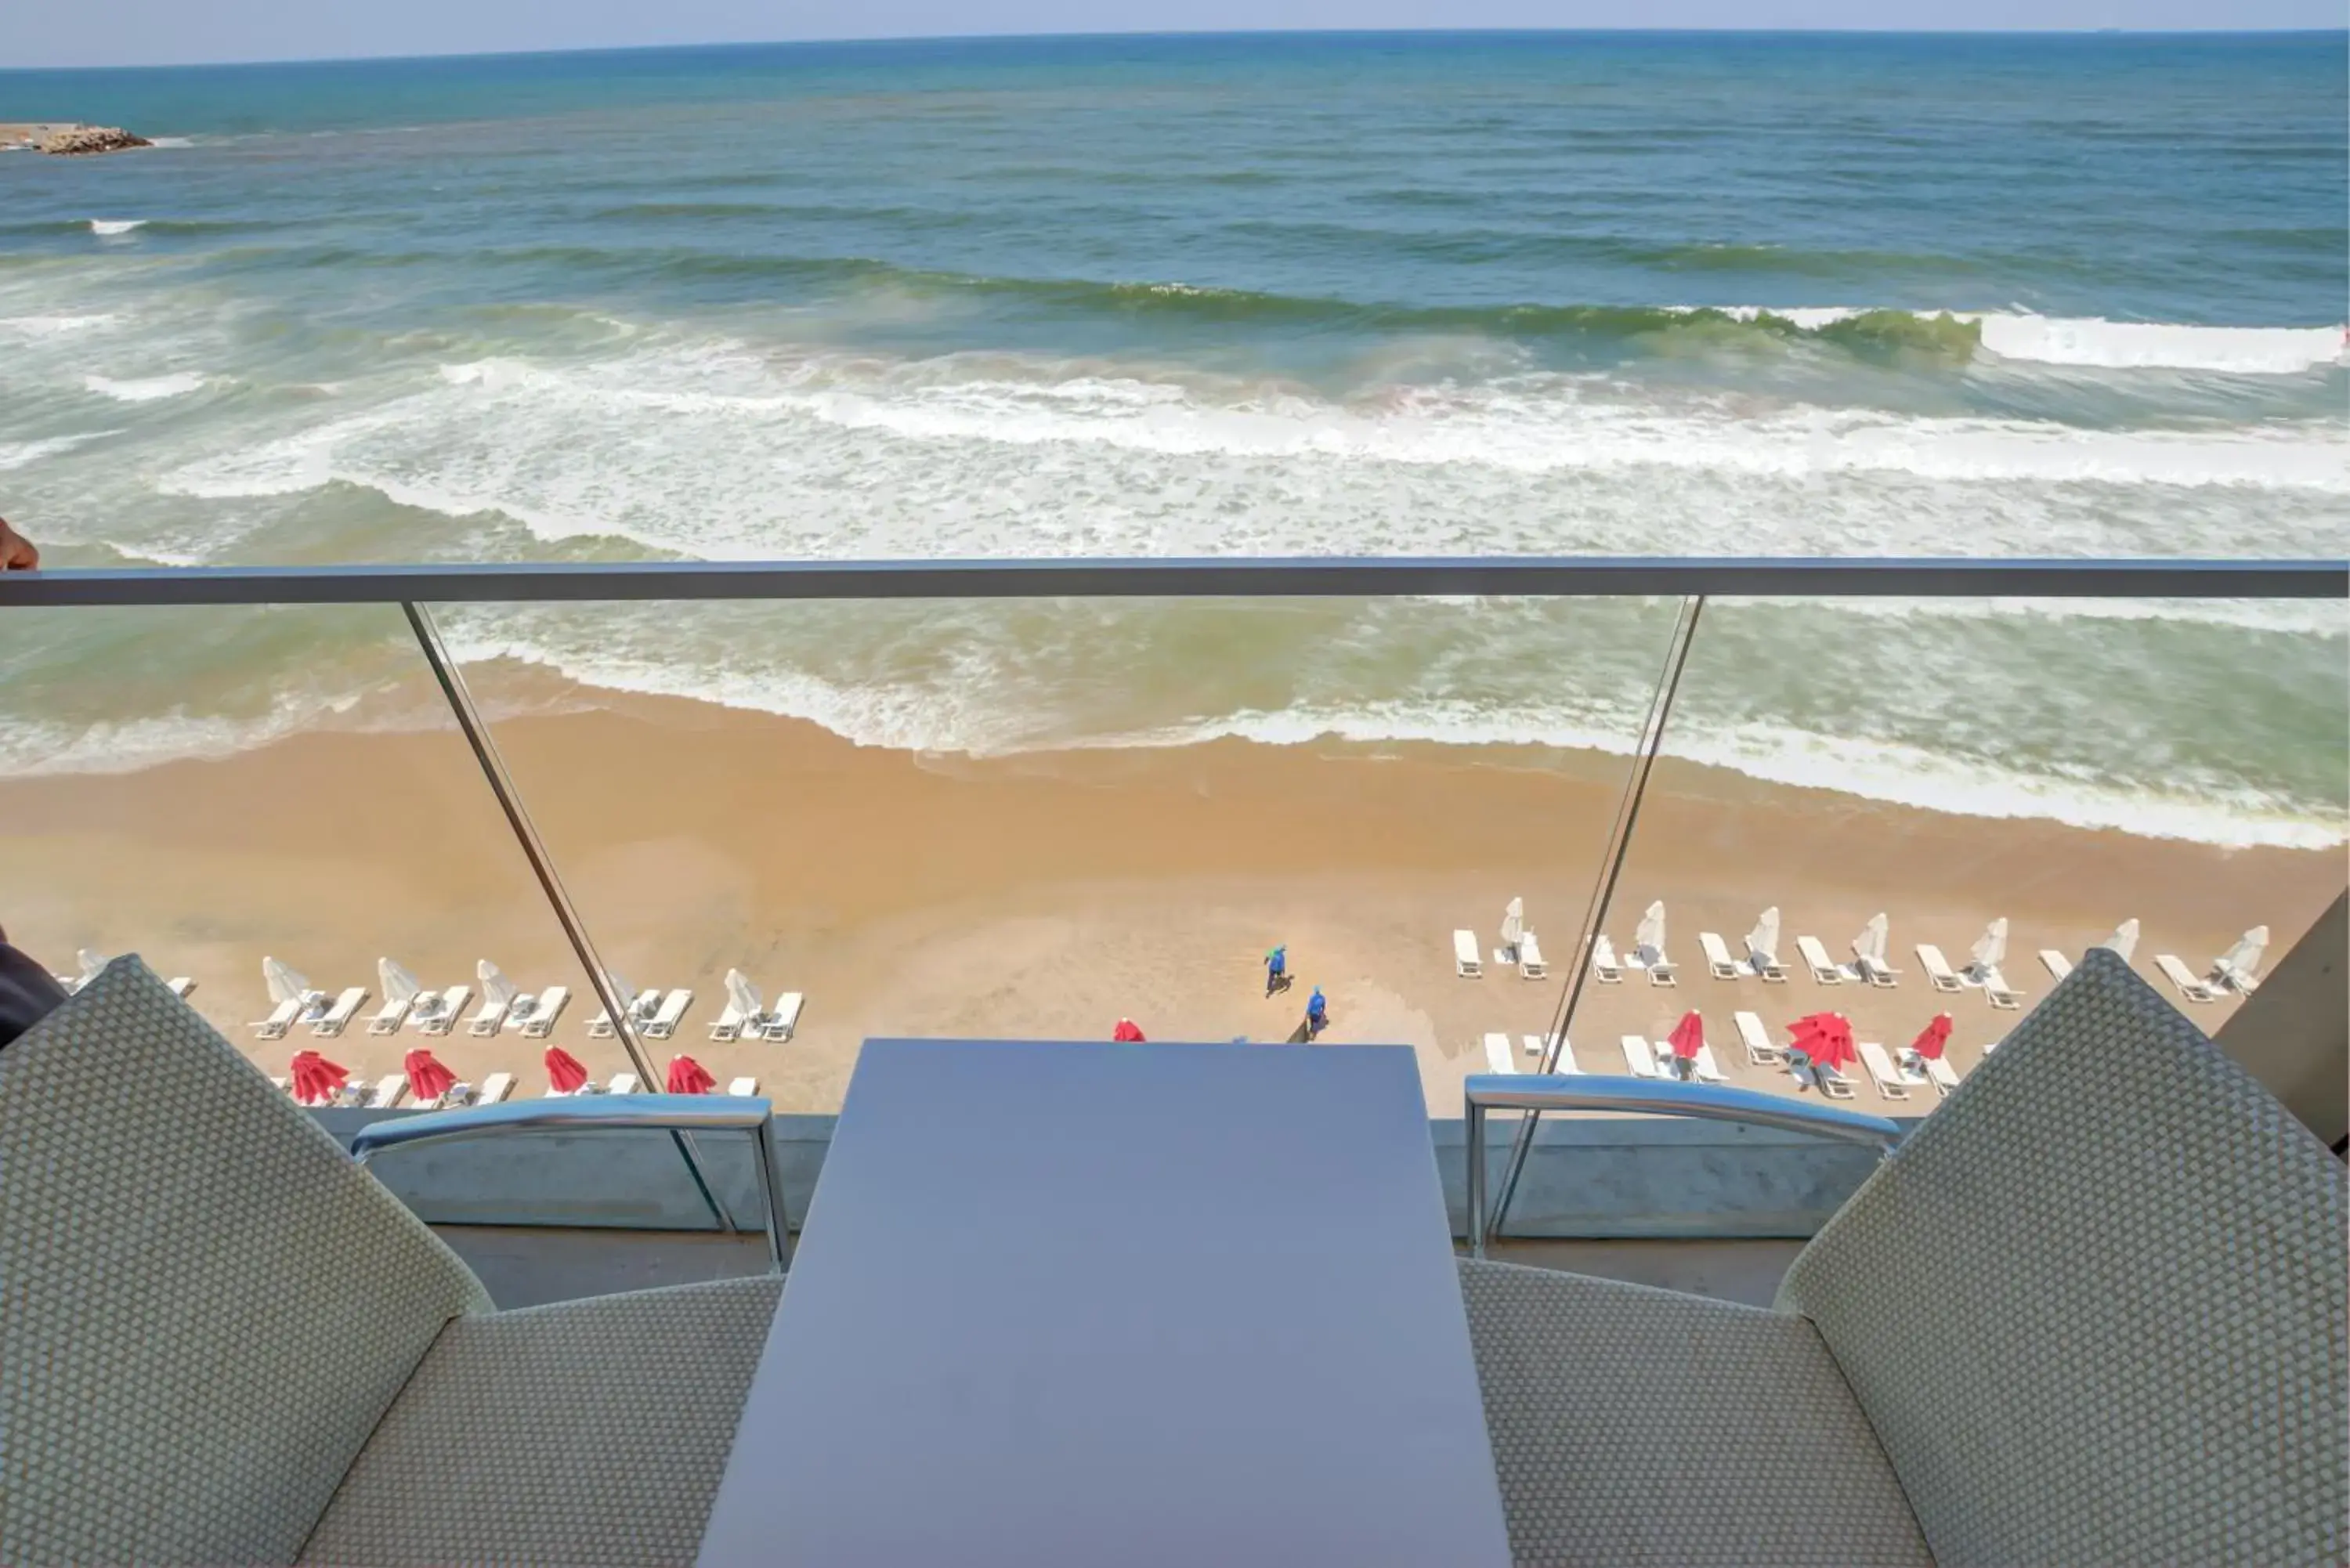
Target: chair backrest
column 206, row 1307
column 2094, row 1306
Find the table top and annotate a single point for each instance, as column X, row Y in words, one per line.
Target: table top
column 1085, row 1304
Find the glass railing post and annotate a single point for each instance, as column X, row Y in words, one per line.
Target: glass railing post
column 469, row 720
column 1620, row 844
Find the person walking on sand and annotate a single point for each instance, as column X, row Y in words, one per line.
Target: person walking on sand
column 1317, row 1014
column 1276, row 970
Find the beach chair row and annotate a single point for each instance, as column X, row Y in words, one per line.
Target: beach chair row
column 393, row 1091
column 1893, row 1076
column 2235, row 971
column 652, row 1015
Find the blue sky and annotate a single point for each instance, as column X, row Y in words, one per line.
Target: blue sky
column 45, row 33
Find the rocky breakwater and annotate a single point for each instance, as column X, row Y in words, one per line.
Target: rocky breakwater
column 68, row 141
column 81, row 141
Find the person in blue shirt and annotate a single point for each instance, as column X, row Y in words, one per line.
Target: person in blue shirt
column 1276, row 970
column 1317, row 1014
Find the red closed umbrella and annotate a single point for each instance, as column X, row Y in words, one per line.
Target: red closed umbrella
column 688, row 1076
column 1826, row 1038
column 1128, row 1033
column 564, row 1071
column 315, row 1080
column 1932, row 1041
column 428, row 1080
column 1688, row 1037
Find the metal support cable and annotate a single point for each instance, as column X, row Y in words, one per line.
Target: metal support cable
column 469, row 720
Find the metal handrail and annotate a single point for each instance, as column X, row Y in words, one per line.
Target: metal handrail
column 1538, row 576
column 603, row 1113
column 1710, row 1101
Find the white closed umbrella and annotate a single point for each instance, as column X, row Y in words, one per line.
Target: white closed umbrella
column 2124, row 940
column 497, row 991
column 1650, row 939
column 2243, row 961
column 1514, row 924
column 397, row 983
column 621, row 988
column 1870, row 943
column 285, row 984
column 742, row 995
column 1763, row 942
column 1992, row 946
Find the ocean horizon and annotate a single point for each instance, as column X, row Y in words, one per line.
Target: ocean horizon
column 1215, row 294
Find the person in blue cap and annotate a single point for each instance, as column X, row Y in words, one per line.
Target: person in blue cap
column 1276, row 970
column 1317, row 1014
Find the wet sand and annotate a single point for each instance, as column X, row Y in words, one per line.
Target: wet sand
column 1050, row 894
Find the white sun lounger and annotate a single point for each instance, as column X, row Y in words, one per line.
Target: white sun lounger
column 494, row 1087
column 2055, row 963
column 784, row 1017
column 726, row 1027
column 1567, row 1066
column 743, row 1089
column 488, row 1018
column 180, row 986
column 1661, row 970
column 1707, row 1069
column 391, row 1016
column 1817, row 959
column 1936, row 1070
column 1530, row 963
column 1465, row 961
column 623, row 1084
column 544, row 1009
column 1604, row 965
column 281, row 1018
column 2179, row 975
column 390, row 1090
column 1718, row 961
column 1880, row 1071
column 641, row 1008
column 1938, row 974
column 1869, row 972
column 1999, row 994
column 1640, row 1056
column 663, row 1024
column 1760, row 1050
column 339, row 1017
column 1497, row 1054
column 435, row 1011
column 1833, row 1084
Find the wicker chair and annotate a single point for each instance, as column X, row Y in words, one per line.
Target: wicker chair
column 2090, row 1310
column 222, row 1342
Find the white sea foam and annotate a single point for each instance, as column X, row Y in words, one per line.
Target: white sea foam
column 171, row 141
column 723, row 450
column 37, row 327
column 18, row 454
column 2132, row 345
column 1873, row 770
column 2093, row 341
column 107, row 228
column 146, row 389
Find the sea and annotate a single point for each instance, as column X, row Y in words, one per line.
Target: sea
column 1341, row 295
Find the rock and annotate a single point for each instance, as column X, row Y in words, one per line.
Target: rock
column 81, row 140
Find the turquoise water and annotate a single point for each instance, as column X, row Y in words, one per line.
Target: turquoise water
column 1380, row 294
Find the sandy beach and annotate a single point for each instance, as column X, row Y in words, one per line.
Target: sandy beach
column 1049, row 894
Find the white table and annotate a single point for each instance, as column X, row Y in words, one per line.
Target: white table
column 1079, row 1304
